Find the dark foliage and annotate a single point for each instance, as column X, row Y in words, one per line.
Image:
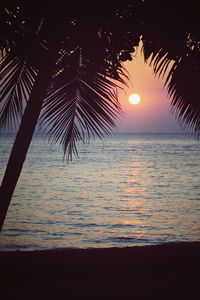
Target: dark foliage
column 88, row 43
column 87, row 49
column 171, row 37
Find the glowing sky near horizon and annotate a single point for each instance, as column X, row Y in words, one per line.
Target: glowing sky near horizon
column 152, row 114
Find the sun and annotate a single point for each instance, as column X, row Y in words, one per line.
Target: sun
column 134, row 99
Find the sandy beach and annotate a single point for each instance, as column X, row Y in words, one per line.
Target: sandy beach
column 169, row 271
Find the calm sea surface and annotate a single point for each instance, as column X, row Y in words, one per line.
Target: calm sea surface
column 129, row 189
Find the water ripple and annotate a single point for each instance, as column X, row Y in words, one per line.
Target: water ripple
column 132, row 189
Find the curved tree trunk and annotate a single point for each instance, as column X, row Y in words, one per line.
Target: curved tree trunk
column 22, row 141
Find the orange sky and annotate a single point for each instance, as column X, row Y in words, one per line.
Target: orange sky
column 153, row 113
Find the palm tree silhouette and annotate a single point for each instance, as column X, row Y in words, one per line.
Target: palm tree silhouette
column 64, row 70
column 65, row 67
column 172, row 35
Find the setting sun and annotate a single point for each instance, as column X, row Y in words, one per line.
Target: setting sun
column 134, row 99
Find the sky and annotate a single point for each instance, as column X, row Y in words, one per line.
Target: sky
column 153, row 112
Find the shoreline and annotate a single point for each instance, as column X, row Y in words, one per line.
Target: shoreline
column 171, row 269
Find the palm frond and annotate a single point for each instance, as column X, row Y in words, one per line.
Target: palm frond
column 182, row 77
column 156, row 55
column 15, row 87
column 23, row 49
column 184, row 90
column 171, row 46
column 80, row 103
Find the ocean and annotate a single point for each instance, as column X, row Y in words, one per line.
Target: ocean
column 124, row 190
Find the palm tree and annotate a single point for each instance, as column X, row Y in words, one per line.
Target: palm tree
column 171, row 37
column 63, row 68
column 66, row 67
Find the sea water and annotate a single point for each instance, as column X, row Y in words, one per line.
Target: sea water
column 124, row 190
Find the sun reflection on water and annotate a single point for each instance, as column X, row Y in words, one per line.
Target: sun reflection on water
column 124, row 192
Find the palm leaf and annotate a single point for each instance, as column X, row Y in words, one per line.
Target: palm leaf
column 182, row 81
column 80, row 103
column 16, row 84
column 171, row 40
column 22, row 47
column 184, row 90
